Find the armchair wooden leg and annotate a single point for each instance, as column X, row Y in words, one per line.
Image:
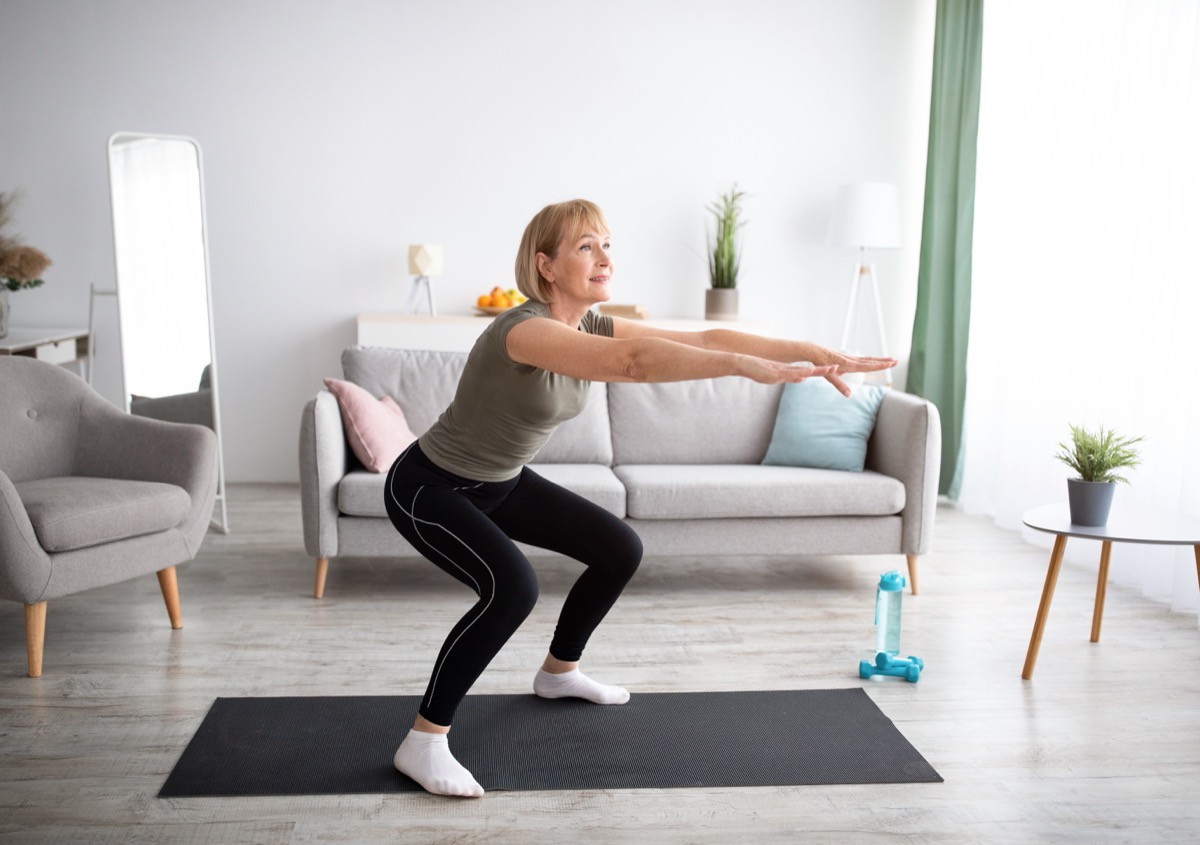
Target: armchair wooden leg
column 322, row 568
column 912, row 572
column 35, row 636
column 170, row 590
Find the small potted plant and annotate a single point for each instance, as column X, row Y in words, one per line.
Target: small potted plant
column 1096, row 457
column 724, row 257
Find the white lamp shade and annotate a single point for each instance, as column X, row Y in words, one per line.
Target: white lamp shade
column 425, row 260
column 866, row 215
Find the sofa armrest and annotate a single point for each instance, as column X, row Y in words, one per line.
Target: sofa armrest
column 24, row 566
column 324, row 461
column 907, row 445
column 114, row 444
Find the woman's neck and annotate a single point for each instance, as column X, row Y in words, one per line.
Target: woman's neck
column 570, row 313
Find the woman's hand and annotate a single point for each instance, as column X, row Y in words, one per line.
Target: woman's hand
column 765, row 371
column 843, row 363
column 854, row 363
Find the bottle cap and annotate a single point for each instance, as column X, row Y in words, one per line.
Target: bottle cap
column 892, row 581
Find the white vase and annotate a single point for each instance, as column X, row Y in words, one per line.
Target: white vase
column 721, row 304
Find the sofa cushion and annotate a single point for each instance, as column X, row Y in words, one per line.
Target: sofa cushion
column 375, row 428
column 709, row 421
column 819, row 427
column 594, row 482
column 361, row 493
column 77, row 512
column 423, row 384
column 690, row 491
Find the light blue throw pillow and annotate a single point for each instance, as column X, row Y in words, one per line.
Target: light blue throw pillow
column 819, row 427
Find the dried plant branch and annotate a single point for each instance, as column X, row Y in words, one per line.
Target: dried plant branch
column 21, row 266
column 8, row 202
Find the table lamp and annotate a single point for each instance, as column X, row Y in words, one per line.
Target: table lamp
column 866, row 215
column 424, row 261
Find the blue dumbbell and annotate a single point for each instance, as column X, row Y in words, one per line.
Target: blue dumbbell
column 908, row 668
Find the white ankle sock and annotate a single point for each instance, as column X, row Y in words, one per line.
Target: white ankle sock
column 575, row 684
column 426, row 758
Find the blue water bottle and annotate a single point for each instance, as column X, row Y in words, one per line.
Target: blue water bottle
column 887, row 612
column 887, row 634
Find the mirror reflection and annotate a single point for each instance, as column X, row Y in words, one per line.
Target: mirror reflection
column 163, row 293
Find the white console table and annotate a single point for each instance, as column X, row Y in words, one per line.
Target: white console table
column 65, row 347
column 459, row 333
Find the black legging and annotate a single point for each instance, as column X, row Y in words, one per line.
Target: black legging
column 467, row 528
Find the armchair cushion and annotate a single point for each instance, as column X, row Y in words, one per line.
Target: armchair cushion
column 74, row 513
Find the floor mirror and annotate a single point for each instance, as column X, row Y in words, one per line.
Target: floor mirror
column 163, row 292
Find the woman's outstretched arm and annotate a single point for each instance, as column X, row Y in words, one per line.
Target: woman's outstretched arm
column 558, row 348
column 770, row 348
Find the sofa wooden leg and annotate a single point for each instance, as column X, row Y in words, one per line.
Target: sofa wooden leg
column 170, row 590
column 322, row 568
column 35, row 636
column 912, row 572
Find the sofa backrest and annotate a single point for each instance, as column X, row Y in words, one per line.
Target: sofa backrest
column 423, row 383
column 709, row 421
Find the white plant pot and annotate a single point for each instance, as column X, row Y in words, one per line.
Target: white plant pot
column 721, row 304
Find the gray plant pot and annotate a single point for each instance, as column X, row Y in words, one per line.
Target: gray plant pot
column 721, row 304
column 1090, row 501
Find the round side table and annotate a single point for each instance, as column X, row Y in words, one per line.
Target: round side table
column 1125, row 525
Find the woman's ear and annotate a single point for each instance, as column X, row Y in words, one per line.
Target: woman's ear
column 543, row 267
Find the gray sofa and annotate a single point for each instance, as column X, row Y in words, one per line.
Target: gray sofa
column 681, row 462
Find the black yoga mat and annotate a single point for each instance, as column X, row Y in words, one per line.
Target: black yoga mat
column 344, row 745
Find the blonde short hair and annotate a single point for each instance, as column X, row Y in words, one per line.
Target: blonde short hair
column 548, row 228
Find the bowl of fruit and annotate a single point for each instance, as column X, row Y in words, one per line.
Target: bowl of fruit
column 498, row 300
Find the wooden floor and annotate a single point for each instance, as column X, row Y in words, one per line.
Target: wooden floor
column 1103, row 745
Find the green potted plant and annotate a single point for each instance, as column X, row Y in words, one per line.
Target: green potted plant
column 1096, row 457
column 724, row 256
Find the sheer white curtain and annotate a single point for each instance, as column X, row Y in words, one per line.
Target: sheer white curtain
column 1086, row 276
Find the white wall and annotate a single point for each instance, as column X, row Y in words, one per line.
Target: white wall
column 335, row 134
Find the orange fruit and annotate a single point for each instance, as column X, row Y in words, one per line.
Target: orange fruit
column 484, row 301
column 500, row 300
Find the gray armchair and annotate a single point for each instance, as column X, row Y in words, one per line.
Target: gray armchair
column 90, row 495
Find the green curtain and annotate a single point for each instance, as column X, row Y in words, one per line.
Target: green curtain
column 938, row 363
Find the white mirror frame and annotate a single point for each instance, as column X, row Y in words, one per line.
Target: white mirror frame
column 220, row 518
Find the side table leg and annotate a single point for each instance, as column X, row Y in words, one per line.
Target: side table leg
column 1039, row 624
column 1197, row 548
column 1101, row 586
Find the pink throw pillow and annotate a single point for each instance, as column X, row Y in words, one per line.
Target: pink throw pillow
column 375, row 428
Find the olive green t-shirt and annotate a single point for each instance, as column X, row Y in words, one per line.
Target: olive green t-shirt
column 504, row 412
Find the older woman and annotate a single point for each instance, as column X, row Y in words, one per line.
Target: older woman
column 462, row 494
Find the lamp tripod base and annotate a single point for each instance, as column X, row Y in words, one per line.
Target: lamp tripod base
column 865, row 269
column 420, row 283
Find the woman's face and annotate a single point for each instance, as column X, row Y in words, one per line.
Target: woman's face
column 581, row 270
